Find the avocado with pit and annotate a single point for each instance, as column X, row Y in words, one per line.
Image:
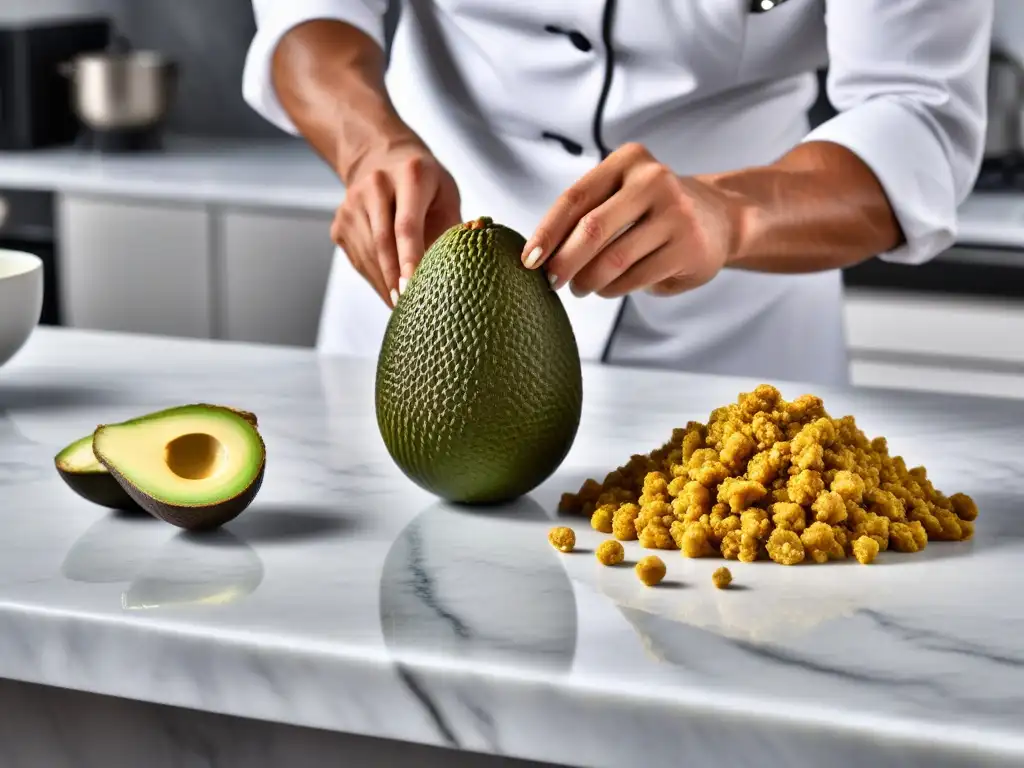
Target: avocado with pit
column 194, row 466
column 79, row 468
column 479, row 386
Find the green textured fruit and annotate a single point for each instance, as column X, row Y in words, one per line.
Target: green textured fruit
column 479, row 388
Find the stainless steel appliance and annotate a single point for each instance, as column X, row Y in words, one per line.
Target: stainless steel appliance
column 1002, row 169
column 27, row 224
column 35, row 106
column 980, row 271
column 122, row 96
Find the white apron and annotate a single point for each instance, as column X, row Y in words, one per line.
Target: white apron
column 771, row 327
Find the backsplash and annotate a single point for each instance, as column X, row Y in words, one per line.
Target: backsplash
column 209, row 38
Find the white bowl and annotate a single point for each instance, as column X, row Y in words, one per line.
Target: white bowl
column 21, row 300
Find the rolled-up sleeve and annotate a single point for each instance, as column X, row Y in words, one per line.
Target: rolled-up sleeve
column 908, row 79
column 274, row 18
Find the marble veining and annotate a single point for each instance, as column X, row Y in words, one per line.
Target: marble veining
column 349, row 600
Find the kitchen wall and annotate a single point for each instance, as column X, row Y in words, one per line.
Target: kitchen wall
column 208, row 37
column 1008, row 30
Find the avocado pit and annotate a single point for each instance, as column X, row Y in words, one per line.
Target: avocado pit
column 195, row 456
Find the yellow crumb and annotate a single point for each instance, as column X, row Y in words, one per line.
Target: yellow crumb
column 865, row 549
column 766, row 478
column 651, row 570
column 601, row 520
column 563, row 539
column 722, row 577
column 610, row 552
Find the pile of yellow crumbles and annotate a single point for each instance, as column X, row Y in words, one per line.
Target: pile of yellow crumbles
column 771, row 479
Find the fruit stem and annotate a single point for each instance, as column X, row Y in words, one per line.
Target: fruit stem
column 479, row 223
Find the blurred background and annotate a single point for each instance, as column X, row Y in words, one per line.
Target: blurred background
column 162, row 204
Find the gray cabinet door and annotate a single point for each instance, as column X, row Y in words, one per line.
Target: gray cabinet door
column 273, row 275
column 135, row 267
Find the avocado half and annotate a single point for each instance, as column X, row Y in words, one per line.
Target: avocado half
column 194, row 466
column 79, row 468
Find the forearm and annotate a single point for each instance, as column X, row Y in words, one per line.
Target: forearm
column 819, row 207
column 329, row 78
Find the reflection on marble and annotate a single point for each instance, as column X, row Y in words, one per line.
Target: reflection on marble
column 114, row 548
column 213, row 569
column 445, row 593
column 161, row 568
column 347, row 600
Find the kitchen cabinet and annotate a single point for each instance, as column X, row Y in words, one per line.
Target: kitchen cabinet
column 135, row 267
column 273, row 269
column 935, row 343
column 193, row 270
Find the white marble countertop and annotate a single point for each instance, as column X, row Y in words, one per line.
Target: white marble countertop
column 277, row 173
column 347, row 599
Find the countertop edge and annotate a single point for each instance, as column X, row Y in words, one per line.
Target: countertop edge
column 282, row 173
column 260, row 656
column 228, row 195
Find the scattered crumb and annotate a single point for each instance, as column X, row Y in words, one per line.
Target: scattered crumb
column 769, row 479
column 651, row 570
column 563, row 539
column 722, row 577
column 610, row 552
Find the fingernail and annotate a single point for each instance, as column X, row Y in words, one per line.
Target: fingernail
column 579, row 293
column 553, row 279
column 402, row 282
column 394, row 297
column 533, row 258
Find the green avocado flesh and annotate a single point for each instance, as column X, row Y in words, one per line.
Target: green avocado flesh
column 78, row 457
column 479, row 388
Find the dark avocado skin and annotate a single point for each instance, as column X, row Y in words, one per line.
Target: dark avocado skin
column 479, row 388
column 195, row 518
column 100, row 488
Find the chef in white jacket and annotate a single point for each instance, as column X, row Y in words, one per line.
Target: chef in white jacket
column 657, row 156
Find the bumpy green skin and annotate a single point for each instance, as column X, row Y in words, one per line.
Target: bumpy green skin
column 479, row 388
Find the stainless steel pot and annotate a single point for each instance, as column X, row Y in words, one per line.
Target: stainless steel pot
column 116, row 91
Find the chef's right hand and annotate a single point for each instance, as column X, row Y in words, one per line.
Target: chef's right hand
column 398, row 200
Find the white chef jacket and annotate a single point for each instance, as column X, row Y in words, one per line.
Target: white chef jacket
column 519, row 98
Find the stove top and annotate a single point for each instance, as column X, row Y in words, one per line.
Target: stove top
column 147, row 139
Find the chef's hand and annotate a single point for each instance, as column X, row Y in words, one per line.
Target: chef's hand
column 632, row 224
column 398, row 199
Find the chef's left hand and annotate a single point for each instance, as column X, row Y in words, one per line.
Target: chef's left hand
column 632, row 224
